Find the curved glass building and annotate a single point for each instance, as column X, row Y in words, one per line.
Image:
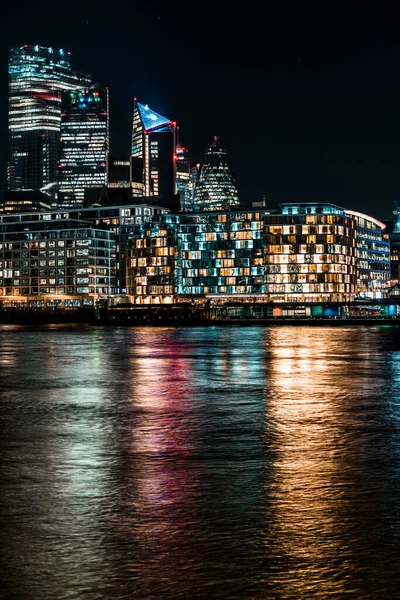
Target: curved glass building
column 215, row 186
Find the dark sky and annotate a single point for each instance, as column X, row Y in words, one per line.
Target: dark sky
column 305, row 96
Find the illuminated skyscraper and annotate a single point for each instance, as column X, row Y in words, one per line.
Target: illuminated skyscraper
column 215, row 186
column 192, row 180
column 37, row 77
column 84, row 143
column 183, row 166
column 153, row 153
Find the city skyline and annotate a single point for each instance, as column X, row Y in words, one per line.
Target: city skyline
column 323, row 100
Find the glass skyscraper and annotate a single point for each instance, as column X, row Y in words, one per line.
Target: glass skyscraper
column 183, row 168
column 37, row 77
column 215, row 186
column 84, row 143
column 152, row 153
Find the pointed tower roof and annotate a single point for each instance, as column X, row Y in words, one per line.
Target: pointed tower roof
column 150, row 119
column 216, row 145
column 215, row 185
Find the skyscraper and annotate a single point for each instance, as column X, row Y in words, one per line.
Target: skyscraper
column 84, row 143
column 153, row 153
column 37, row 76
column 215, row 186
column 183, row 166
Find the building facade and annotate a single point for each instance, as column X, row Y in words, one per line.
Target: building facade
column 298, row 253
column 183, row 187
column 215, row 186
column 117, row 221
column 25, row 200
column 152, row 265
column 373, row 256
column 119, row 172
column 84, row 144
column 153, row 153
column 37, row 77
column 65, row 263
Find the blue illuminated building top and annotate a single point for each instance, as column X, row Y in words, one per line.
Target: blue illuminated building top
column 151, row 119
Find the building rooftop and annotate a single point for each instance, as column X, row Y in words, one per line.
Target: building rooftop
column 151, row 119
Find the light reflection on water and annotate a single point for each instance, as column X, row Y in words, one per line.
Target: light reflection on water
column 200, row 463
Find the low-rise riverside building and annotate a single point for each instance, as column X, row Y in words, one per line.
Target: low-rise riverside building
column 373, row 256
column 118, row 220
column 297, row 253
column 56, row 263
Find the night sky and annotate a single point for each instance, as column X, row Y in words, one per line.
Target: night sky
column 305, row 96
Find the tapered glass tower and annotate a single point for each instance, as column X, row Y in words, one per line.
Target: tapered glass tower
column 152, row 153
column 215, row 186
column 37, row 78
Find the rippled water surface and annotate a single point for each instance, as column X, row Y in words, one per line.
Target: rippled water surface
column 149, row 463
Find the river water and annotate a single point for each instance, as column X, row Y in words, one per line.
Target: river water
column 179, row 463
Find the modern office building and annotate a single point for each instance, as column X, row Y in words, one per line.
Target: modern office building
column 37, row 78
column 84, row 144
column 194, row 169
column 215, row 187
column 183, row 168
column 153, row 153
column 117, row 221
column 373, row 256
column 119, row 172
column 24, row 201
column 297, row 253
column 152, row 265
column 310, row 254
column 53, row 262
column 394, row 259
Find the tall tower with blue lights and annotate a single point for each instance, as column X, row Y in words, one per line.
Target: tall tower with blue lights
column 153, row 153
column 37, row 77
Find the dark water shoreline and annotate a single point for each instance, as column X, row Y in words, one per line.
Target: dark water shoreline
column 33, row 318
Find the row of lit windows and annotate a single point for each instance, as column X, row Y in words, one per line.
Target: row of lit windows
column 309, row 258
column 143, row 290
column 309, row 229
column 10, row 290
column 318, row 249
column 309, row 278
column 163, row 251
column 309, row 288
